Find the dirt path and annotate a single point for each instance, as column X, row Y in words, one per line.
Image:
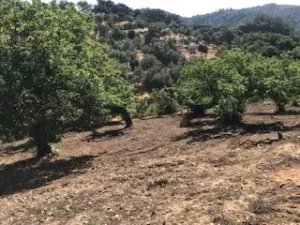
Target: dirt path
column 159, row 173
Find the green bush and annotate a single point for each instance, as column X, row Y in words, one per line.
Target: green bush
column 63, row 77
column 161, row 102
column 152, row 110
column 141, row 107
column 229, row 111
column 164, row 101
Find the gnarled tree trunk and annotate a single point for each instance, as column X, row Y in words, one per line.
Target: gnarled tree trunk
column 124, row 113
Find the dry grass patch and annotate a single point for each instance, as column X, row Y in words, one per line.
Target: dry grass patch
column 158, row 182
column 261, row 206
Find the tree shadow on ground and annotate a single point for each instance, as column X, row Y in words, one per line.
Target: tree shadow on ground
column 153, row 117
column 29, row 174
column 286, row 113
column 205, row 120
column 10, row 150
column 209, row 130
column 108, row 134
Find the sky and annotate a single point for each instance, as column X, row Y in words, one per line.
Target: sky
column 189, row 8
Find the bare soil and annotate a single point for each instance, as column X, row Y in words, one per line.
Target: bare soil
column 159, row 173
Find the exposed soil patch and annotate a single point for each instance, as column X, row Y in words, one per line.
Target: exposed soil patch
column 159, row 173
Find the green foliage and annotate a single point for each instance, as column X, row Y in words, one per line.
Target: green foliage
column 161, row 67
column 270, row 51
column 232, row 17
column 117, row 34
column 151, row 110
column 264, row 23
column 53, row 73
column 229, row 111
column 142, row 104
column 229, row 81
column 197, row 84
column 164, row 101
column 56, row 75
column 263, row 34
column 161, row 102
column 84, row 6
column 158, row 15
column 281, row 81
column 166, row 52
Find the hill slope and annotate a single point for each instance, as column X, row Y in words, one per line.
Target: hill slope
column 231, row 17
column 153, row 175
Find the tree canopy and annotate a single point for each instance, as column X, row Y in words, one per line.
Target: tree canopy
column 228, row 82
column 53, row 73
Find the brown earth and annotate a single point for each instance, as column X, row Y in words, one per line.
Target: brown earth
column 140, row 55
column 158, row 173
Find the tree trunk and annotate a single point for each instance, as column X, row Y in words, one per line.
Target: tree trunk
column 281, row 107
column 42, row 140
column 124, row 113
column 126, row 117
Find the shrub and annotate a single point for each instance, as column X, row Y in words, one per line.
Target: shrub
column 142, row 105
column 261, row 206
column 229, row 111
column 158, row 182
column 164, row 101
column 152, row 110
column 50, row 84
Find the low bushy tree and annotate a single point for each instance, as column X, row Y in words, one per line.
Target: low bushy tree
column 281, row 81
column 53, row 74
column 164, row 101
column 228, row 82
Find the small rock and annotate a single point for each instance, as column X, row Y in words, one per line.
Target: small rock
column 116, row 218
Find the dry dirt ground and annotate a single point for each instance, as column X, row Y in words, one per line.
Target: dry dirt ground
column 160, row 174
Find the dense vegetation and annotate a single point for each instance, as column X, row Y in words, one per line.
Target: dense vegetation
column 54, row 75
column 140, row 32
column 231, row 17
column 66, row 66
column 235, row 78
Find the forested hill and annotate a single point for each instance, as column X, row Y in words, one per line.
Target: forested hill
column 231, row 17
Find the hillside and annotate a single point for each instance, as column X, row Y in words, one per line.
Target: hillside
column 153, row 175
column 231, row 17
column 212, row 130
column 152, row 45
